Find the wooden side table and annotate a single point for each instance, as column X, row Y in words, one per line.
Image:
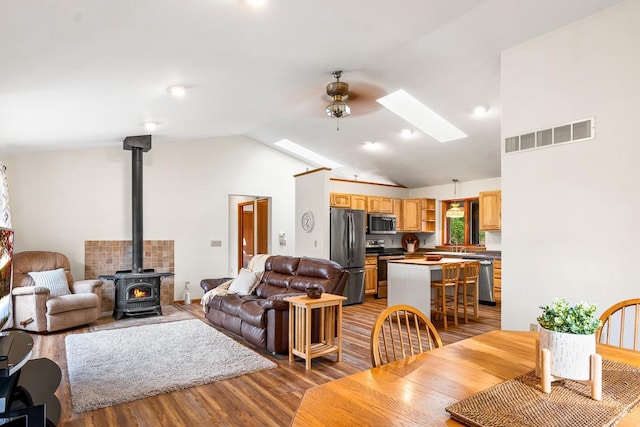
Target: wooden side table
column 330, row 340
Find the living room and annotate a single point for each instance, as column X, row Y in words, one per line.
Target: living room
column 555, row 200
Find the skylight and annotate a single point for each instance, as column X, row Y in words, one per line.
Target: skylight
column 419, row 115
column 307, row 154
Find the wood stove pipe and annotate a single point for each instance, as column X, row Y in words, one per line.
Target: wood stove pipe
column 137, row 145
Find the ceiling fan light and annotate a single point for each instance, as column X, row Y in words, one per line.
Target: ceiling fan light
column 338, row 108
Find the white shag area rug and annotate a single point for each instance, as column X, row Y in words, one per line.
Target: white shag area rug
column 121, row 365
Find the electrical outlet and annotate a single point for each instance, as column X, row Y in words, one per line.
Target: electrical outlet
column 216, row 243
column 533, row 327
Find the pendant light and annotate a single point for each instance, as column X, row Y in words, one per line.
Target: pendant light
column 455, row 211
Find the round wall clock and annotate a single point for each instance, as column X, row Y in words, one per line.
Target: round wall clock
column 307, row 221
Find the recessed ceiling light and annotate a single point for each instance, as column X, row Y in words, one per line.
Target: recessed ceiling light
column 177, row 90
column 480, row 111
column 150, row 126
column 406, row 133
column 419, row 115
column 307, row 154
column 256, row 3
column 370, row 145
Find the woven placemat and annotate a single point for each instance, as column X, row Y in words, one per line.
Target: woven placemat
column 521, row 402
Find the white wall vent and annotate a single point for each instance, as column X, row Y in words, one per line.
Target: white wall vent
column 580, row 130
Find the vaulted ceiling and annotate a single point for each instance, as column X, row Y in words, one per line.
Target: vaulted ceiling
column 87, row 73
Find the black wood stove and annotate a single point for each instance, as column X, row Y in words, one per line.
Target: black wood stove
column 137, row 290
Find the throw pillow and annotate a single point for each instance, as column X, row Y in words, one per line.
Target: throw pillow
column 245, row 283
column 54, row 280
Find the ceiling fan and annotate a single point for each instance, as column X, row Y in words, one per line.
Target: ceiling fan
column 338, row 91
column 347, row 99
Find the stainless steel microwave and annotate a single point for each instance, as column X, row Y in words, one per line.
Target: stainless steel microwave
column 381, row 224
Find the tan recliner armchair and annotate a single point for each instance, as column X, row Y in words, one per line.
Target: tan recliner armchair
column 35, row 310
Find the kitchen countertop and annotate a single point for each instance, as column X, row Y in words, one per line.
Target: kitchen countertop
column 492, row 255
column 421, row 261
column 486, row 255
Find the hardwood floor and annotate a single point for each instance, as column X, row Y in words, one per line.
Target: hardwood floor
column 267, row 398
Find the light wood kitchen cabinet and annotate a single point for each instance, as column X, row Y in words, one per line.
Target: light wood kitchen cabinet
column 359, row 201
column 411, row 215
column 370, row 275
column 428, row 215
column 340, row 200
column 377, row 204
column 419, row 215
column 497, row 280
column 397, row 211
column 490, row 210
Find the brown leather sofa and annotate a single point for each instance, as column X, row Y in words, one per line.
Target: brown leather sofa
column 262, row 318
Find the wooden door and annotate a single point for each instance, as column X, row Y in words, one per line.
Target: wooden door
column 245, row 234
column 253, row 230
column 262, row 226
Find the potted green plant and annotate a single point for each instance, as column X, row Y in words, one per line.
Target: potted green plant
column 568, row 331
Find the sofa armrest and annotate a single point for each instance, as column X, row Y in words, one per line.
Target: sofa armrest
column 86, row 286
column 30, row 290
column 29, row 308
column 277, row 302
column 208, row 284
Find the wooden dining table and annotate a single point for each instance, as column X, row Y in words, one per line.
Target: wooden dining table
column 416, row 390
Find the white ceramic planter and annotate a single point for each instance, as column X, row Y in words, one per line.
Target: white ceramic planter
column 570, row 353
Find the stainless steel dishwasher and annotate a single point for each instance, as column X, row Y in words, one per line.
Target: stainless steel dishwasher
column 381, row 291
column 485, row 283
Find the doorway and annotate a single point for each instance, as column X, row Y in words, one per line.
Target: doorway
column 253, row 229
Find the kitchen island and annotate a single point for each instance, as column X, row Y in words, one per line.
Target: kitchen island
column 409, row 281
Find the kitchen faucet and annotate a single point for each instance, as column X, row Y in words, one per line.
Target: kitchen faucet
column 455, row 248
column 454, row 242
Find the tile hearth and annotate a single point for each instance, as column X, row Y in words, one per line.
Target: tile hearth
column 105, row 257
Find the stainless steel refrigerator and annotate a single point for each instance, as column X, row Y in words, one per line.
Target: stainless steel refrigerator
column 347, row 239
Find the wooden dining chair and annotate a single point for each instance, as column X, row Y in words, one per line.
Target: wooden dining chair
column 468, row 288
column 447, row 291
column 401, row 331
column 621, row 325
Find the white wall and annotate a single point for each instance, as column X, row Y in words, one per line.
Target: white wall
column 569, row 213
column 60, row 199
column 312, row 195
